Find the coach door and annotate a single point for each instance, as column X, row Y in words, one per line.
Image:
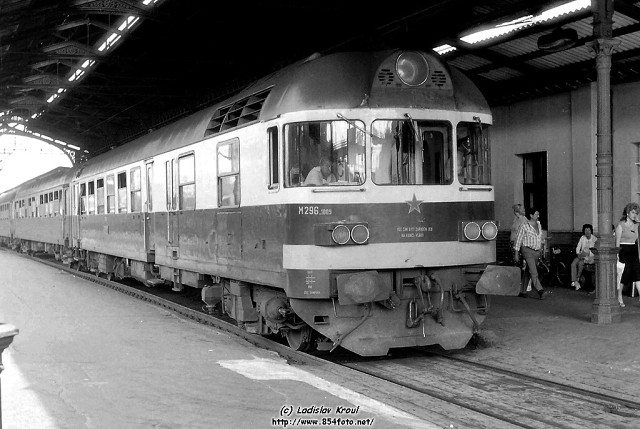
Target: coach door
column 148, row 209
column 172, row 208
column 66, row 215
column 75, row 219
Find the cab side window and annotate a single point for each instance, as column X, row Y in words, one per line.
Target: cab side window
column 274, row 173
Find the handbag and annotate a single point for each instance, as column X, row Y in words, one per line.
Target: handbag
column 620, row 269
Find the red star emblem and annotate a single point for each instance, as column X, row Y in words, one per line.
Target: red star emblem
column 414, row 204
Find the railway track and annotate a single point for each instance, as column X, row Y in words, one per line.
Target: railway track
column 509, row 397
column 439, row 388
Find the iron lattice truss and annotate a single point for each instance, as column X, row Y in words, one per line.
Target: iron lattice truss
column 96, row 74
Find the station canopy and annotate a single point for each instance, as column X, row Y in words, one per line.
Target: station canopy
column 95, row 74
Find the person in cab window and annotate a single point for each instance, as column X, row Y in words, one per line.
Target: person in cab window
column 530, row 242
column 320, row 175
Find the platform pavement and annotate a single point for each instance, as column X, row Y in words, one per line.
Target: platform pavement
column 87, row 356
column 555, row 338
column 90, row 357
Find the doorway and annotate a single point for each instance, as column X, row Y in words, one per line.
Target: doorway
column 534, row 185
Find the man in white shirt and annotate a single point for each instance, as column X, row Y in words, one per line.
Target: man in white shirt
column 320, row 175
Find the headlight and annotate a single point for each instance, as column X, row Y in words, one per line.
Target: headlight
column 412, row 68
column 340, row 234
column 472, row 231
column 360, row 234
column 489, row 230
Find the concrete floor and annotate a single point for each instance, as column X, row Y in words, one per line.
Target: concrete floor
column 89, row 357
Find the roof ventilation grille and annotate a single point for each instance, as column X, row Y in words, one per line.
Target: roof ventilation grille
column 241, row 112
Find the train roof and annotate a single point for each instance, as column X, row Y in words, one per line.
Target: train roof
column 337, row 81
column 7, row 196
column 51, row 179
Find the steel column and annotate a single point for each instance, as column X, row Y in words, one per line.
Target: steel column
column 605, row 309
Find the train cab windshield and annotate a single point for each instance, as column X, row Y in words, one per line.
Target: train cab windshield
column 408, row 152
column 328, row 153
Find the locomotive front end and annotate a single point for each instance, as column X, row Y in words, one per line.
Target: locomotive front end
column 398, row 226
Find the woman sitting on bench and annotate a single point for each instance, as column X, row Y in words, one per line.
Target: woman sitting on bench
column 584, row 255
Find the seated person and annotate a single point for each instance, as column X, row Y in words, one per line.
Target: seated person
column 584, row 255
column 320, row 175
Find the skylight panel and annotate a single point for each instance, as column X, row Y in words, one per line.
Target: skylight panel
column 526, row 21
column 444, row 49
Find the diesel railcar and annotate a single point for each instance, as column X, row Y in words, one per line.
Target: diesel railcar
column 345, row 200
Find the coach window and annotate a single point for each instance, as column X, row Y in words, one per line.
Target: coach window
column 149, row 182
column 83, row 198
column 135, row 190
column 122, row 192
column 100, row 196
column 111, row 194
column 91, row 199
column 229, row 173
column 407, row 152
column 170, row 167
column 273, row 158
column 187, row 182
column 47, row 212
column 56, row 203
column 324, row 153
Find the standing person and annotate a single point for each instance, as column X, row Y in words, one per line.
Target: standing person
column 627, row 241
column 519, row 219
column 529, row 242
column 584, row 254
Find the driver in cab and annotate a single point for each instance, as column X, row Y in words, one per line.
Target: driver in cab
column 320, row 175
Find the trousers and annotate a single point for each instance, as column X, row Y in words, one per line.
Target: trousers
column 531, row 256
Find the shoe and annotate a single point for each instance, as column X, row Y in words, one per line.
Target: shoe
column 544, row 294
column 573, row 284
column 621, row 304
column 578, row 286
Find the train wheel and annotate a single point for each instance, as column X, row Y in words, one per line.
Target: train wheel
column 301, row 340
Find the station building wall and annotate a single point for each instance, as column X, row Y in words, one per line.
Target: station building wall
column 564, row 126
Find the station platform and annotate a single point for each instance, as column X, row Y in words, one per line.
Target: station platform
column 90, row 357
